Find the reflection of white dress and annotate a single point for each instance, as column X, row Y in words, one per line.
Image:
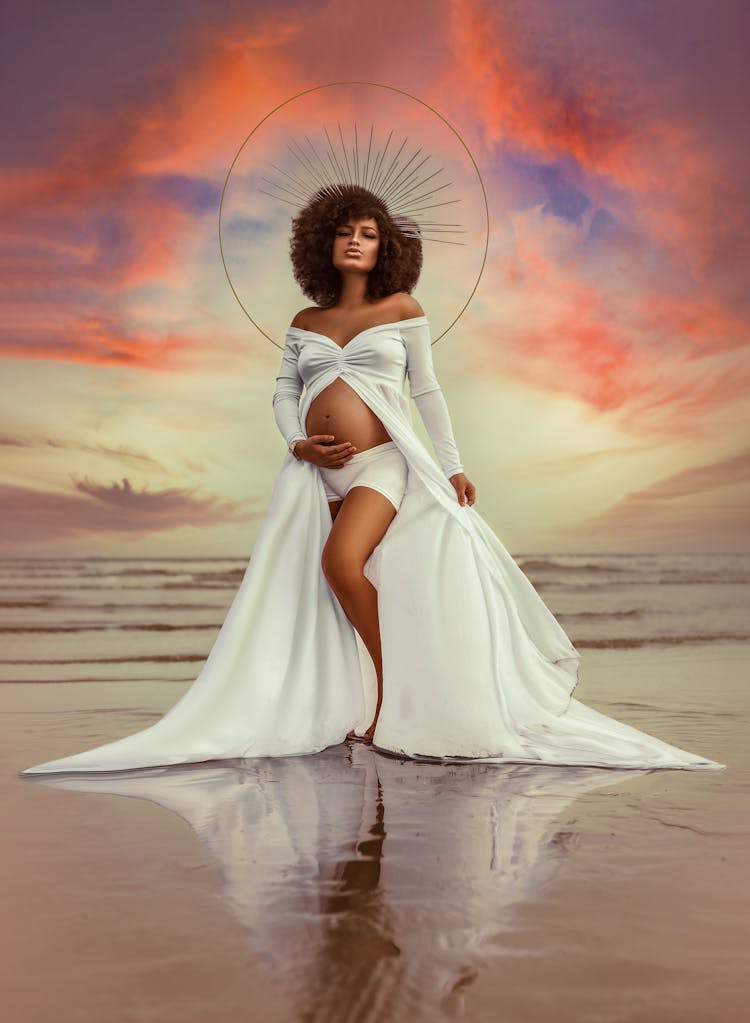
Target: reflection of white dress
column 354, row 891
column 474, row 663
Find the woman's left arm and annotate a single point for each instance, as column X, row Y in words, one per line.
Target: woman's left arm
column 430, row 401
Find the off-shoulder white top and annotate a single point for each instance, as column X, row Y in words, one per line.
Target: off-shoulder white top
column 387, row 354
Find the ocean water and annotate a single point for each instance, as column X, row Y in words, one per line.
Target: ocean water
column 122, row 619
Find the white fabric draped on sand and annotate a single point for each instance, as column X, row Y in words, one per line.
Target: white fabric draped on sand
column 475, row 665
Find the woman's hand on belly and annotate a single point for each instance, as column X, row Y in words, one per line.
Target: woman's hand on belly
column 338, row 409
column 320, row 450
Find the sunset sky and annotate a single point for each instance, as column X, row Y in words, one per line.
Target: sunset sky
column 598, row 382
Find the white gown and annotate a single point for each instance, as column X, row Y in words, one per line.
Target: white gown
column 475, row 665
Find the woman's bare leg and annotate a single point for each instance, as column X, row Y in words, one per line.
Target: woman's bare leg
column 359, row 524
column 334, row 506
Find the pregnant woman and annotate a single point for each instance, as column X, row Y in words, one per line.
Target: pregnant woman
column 378, row 603
column 364, row 473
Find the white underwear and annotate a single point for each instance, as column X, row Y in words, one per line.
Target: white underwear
column 381, row 467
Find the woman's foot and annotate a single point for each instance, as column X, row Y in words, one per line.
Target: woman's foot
column 366, row 738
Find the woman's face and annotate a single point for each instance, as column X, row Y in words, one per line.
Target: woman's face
column 356, row 244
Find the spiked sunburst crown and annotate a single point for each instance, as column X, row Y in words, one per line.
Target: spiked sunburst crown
column 407, row 191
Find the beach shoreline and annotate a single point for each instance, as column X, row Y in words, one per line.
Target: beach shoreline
column 560, row 896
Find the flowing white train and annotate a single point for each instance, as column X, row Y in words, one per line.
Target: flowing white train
column 475, row 666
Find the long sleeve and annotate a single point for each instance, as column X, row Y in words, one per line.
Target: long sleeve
column 287, row 394
column 429, row 398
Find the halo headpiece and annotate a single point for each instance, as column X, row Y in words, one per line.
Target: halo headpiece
column 408, row 194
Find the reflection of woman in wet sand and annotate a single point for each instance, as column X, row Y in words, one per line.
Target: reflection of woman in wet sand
column 368, row 881
column 369, row 291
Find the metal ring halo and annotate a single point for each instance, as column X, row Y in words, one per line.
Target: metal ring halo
column 379, row 85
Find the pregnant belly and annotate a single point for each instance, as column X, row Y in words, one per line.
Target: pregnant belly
column 340, row 411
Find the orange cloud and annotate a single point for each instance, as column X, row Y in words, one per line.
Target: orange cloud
column 525, row 92
column 95, row 341
column 638, row 356
column 558, row 86
column 80, row 235
column 553, row 87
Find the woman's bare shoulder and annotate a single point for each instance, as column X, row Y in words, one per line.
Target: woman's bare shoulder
column 406, row 306
column 303, row 317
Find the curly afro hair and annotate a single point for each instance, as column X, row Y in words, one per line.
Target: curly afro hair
column 399, row 261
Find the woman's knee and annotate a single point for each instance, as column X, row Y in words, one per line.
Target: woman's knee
column 342, row 571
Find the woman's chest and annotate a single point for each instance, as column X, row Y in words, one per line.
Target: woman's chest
column 384, row 358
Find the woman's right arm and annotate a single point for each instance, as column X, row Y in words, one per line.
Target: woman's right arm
column 318, row 449
column 287, row 394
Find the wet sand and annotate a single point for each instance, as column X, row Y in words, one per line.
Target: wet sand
column 353, row 886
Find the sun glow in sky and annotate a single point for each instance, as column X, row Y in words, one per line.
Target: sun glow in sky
column 598, row 382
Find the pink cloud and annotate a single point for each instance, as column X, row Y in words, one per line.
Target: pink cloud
column 692, row 509
column 38, row 516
